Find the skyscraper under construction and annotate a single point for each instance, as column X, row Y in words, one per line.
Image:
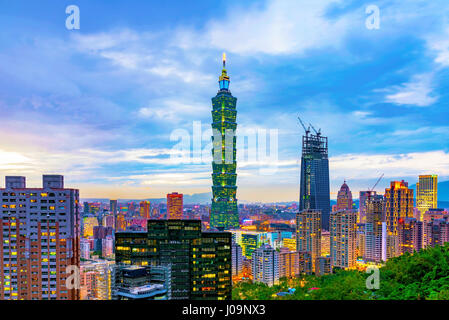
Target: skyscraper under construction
column 314, row 185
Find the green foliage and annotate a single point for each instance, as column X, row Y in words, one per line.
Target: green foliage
column 423, row 275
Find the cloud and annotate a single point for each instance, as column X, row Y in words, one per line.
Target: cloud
column 362, row 166
column 439, row 45
column 418, row 92
column 279, row 27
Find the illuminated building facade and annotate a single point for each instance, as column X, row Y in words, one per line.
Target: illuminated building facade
column 314, row 184
column 224, row 211
column 40, row 238
column 308, row 233
column 436, row 232
column 200, row 261
column 363, row 197
column 410, row 233
column 289, row 243
column 361, row 239
column 145, row 209
column 375, row 230
column 398, row 204
column 249, row 240
column 324, row 265
column 88, row 226
column 426, row 193
column 175, row 206
column 343, row 224
column 96, row 279
column 265, row 265
column 325, row 243
column 288, row 263
column 344, row 198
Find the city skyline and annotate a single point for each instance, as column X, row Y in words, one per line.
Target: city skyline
column 102, row 109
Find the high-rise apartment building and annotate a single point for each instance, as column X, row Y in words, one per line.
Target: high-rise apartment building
column 343, row 224
column 96, row 280
column 224, row 211
column 324, row 265
column 175, row 206
column 314, row 184
column 436, row 232
column 40, row 237
column 410, row 234
column 398, row 204
column 289, row 266
column 308, row 233
column 375, row 229
column 265, row 265
column 145, row 209
column 426, row 193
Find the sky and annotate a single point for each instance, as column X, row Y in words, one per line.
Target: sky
column 106, row 104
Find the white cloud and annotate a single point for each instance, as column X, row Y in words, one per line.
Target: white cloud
column 360, row 166
column 280, row 27
column 439, row 45
column 418, row 92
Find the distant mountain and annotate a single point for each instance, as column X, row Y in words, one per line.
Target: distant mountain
column 196, row 198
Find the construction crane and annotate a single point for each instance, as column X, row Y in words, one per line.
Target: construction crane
column 307, row 130
column 317, row 132
column 378, row 180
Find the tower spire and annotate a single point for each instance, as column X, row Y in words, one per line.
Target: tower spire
column 223, row 80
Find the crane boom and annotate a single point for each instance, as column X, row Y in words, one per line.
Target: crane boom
column 307, row 130
column 317, row 132
column 378, row 180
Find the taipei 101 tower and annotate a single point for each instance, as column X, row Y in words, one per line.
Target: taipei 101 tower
column 224, row 212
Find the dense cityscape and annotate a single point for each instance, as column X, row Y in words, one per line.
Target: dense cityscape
column 57, row 246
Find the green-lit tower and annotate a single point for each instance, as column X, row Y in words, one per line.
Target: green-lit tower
column 224, row 213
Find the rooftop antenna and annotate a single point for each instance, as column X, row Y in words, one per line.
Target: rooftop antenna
column 307, row 130
column 317, row 132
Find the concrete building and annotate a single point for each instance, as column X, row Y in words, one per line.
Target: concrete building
column 410, row 233
column 343, row 238
column 375, row 230
column 288, row 263
column 308, row 233
column 265, row 265
column 175, row 206
column 40, row 239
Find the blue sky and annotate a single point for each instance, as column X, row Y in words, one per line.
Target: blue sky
column 99, row 104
